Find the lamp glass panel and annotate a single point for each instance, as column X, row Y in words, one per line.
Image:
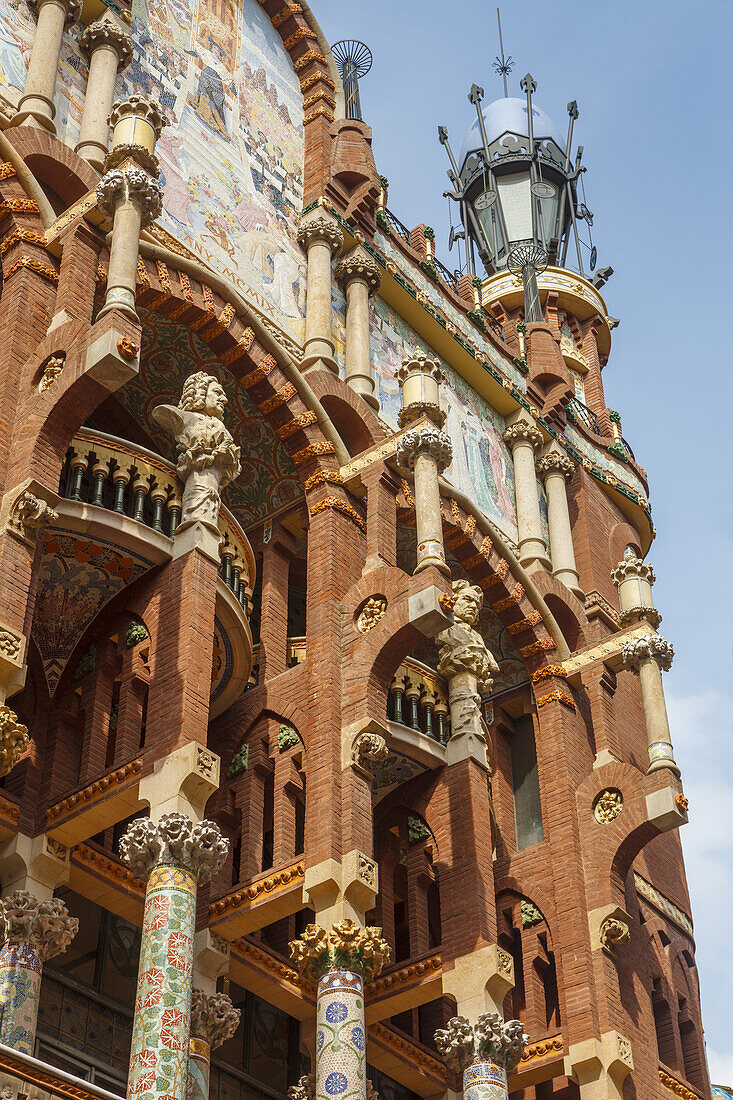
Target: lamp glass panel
column 515, row 199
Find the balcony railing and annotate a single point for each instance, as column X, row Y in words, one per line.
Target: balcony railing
column 578, row 413
column 122, row 477
column 418, row 699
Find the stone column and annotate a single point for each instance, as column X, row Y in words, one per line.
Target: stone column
column 32, row 932
column 321, row 237
column 426, row 450
column 173, row 855
column 648, row 656
column 36, row 106
column 555, row 468
column 524, row 438
column 214, row 1019
column 129, row 195
column 340, row 961
column 484, row 1052
column 109, row 50
column 634, row 579
column 360, row 277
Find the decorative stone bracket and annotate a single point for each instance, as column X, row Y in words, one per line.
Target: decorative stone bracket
column 345, row 890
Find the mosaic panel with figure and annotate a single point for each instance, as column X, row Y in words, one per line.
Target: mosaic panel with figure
column 232, row 154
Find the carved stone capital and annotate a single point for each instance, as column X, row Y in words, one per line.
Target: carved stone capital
column 418, row 363
column 632, row 566
column 462, row 647
column 648, row 647
column 133, row 183
column 521, row 432
column 199, row 848
column 426, row 440
column 28, row 514
column 490, row 1039
column 305, row 1088
column 347, row 945
column 359, row 265
column 105, row 32
column 71, row 7
column 44, row 925
column 555, row 463
column 140, row 107
column 321, row 229
column 213, row 1018
column 13, row 739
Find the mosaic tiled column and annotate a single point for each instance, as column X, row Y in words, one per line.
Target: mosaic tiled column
column 32, row 932
column 485, row 1053
column 340, row 961
column 173, row 855
column 648, row 656
column 214, row 1019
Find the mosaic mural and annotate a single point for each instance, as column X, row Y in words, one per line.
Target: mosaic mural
column 77, row 577
column 20, row 990
column 396, row 769
column 232, row 155
column 268, row 480
column 481, row 466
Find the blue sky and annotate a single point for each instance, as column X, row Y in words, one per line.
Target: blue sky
column 652, row 82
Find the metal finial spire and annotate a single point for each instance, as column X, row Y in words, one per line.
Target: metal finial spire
column 353, row 60
column 503, row 65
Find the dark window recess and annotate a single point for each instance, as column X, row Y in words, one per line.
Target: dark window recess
column 525, row 785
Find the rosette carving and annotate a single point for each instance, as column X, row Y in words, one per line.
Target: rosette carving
column 462, row 649
column 199, row 848
column 490, row 1039
column 346, row 946
column 13, row 739
column 426, row 440
column 44, row 925
column 207, row 456
column 213, row 1017
column 321, row 229
column 648, row 647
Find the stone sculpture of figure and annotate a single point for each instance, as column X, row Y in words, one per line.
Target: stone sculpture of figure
column 462, row 647
column 207, row 457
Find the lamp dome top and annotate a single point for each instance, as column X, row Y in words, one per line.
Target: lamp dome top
column 509, row 116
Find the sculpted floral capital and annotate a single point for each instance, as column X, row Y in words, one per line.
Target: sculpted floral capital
column 347, row 946
column 462, row 649
column 174, row 840
column 632, row 566
column 522, row 432
column 105, row 32
column 321, row 229
column 213, row 1017
column 360, row 265
column 72, row 8
column 648, row 647
column 207, row 456
column 13, row 740
column 490, row 1039
column 140, row 107
column 555, row 463
column 426, row 440
column 43, row 925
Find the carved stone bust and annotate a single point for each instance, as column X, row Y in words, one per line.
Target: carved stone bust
column 207, row 456
column 462, row 647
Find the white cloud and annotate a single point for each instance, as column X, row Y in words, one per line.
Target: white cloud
column 721, row 1068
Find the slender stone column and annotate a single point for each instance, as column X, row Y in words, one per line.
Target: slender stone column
column 648, row 656
column 321, row 237
column 36, row 106
column 340, row 961
column 525, row 438
column 634, row 579
column 484, row 1052
column 555, row 468
column 130, row 196
column 427, row 450
column 360, row 276
column 109, row 50
column 214, row 1019
column 32, row 932
column 173, row 855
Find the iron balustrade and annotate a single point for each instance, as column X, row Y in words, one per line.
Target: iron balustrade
column 581, row 414
column 418, row 699
column 125, row 478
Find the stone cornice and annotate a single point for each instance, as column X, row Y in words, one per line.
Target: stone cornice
column 267, row 886
column 101, row 788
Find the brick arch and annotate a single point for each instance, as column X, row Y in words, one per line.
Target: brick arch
column 619, row 537
column 537, row 895
column 54, row 163
column 362, row 425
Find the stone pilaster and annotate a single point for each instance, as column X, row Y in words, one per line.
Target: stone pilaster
column 36, row 106
column 555, row 468
column 214, row 1019
column 360, row 276
column 173, row 855
column 108, row 47
column 32, row 932
column 525, row 438
column 340, row 961
column 321, row 237
column 485, row 1053
column 648, row 656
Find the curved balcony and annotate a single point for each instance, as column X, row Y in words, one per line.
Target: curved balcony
column 128, row 498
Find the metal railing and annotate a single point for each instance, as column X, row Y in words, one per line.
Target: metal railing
column 418, row 699
column 122, row 477
column 580, row 414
